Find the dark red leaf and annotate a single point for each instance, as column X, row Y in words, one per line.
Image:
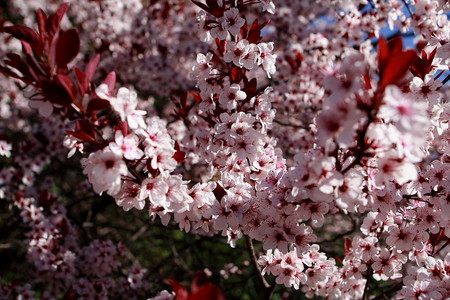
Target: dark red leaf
column 397, row 68
column 24, row 33
column 67, row 47
column 183, row 100
column 219, row 192
column 69, row 295
column 15, row 61
column 81, row 136
column 207, row 291
column 181, row 293
column 244, row 29
column 122, row 126
column 250, row 87
column 53, row 22
column 81, row 79
column 84, row 132
column 383, row 54
column 347, row 246
column 421, row 45
column 63, row 226
column 199, row 280
column 254, row 33
column 197, row 97
column 221, row 45
column 393, row 62
column 423, row 65
column 56, row 93
column 367, row 83
column 35, row 68
column 66, row 82
column 215, row 8
column 42, row 20
column 212, row 7
column 27, row 48
column 91, row 67
column 236, row 75
column 179, row 155
column 86, row 127
column 98, row 104
column 202, row 6
column 9, row 73
column 110, row 80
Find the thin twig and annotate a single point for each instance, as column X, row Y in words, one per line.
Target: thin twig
column 268, row 289
column 408, row 8
column 291, row 125
column 366, row 287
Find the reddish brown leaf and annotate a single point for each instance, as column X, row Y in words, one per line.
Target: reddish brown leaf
column 85, row 126
column 24, row 33
column 110, row 80
column 423, row 65
column 202, row 6
column 98, row 104
column 179, row 155
column 367, row 83
column 42, row 20
column 199, row 280
column 67, row 47
column 236, row 75
column 212, row 7
column 27, row 48
column 207, row 291
column 15, row 61
column 250, row 87
column 122, row 126
column 347, row 246
column 84, row 131
column 254, row 33
column 197, row 97
column 215, row 8
column 383, row 54
column 181, row 293
column 91, row 68
column 53, row 22
column 393, row 62
column 244, row 29
column 219, row 192
column 81, row 136
column 397, row 68
column 56, row 93
column 66, row 82
column 9, row 73
column 81, row 79
column 35, row 68
column 221, row 45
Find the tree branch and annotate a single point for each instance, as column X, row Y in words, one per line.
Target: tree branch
column 268, row 289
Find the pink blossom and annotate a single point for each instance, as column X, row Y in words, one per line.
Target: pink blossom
column 232, row 21
column 130, row 196
column 126, row 146
column 266, row 58
column 104, row 169
column 231, row 95
column 5, row 148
